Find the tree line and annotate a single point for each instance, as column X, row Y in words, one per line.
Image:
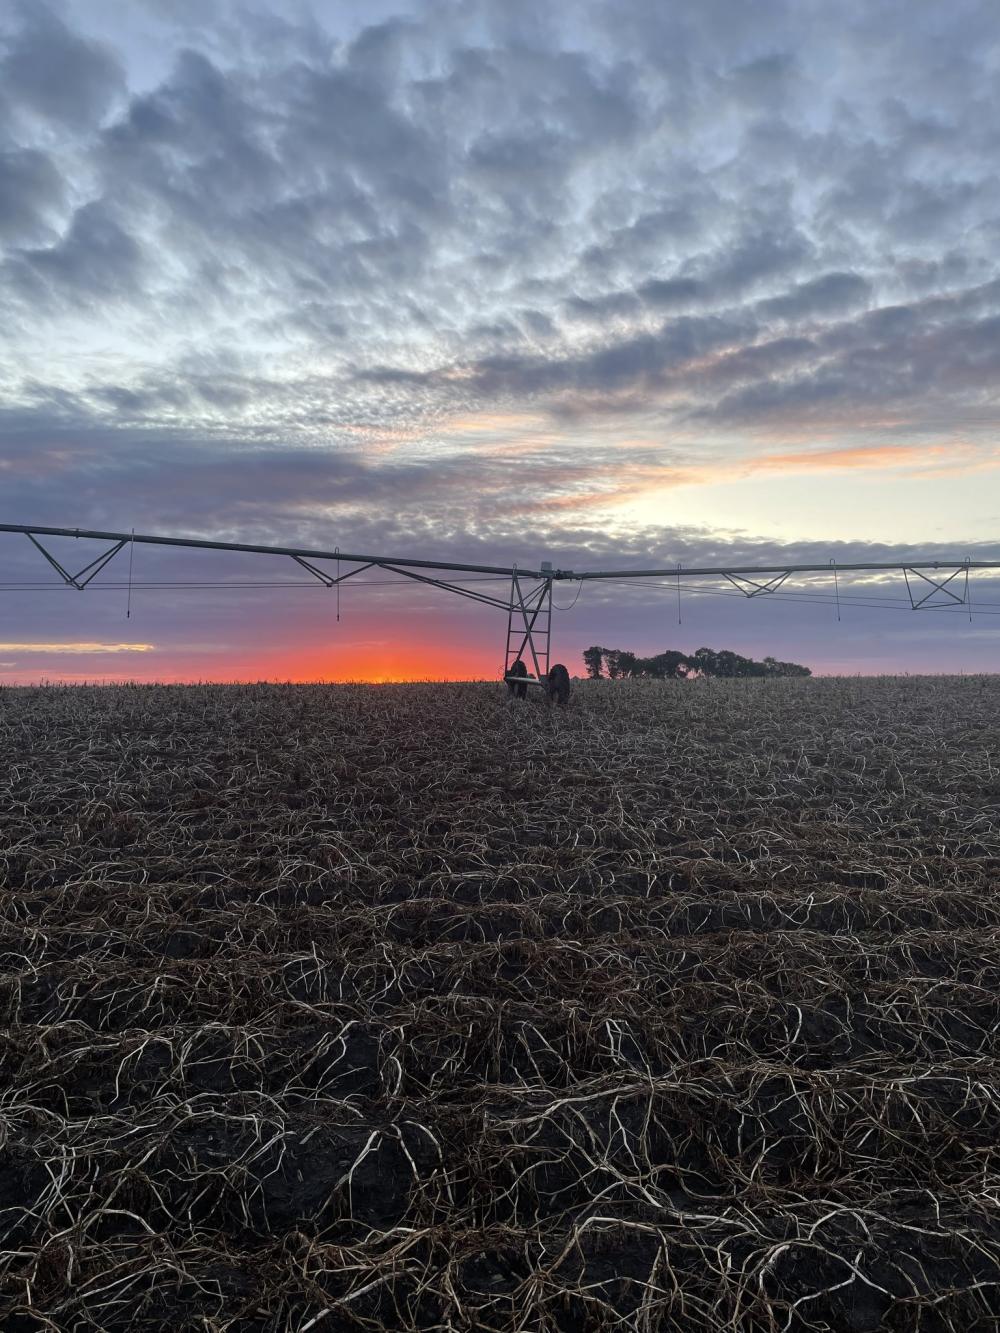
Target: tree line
column 618, row 663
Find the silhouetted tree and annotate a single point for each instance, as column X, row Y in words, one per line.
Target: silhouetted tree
column 774, row 668
column 671, row 664
column 592, row 658
column 706, row 661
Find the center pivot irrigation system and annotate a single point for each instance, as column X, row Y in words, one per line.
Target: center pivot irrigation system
column 929, row 584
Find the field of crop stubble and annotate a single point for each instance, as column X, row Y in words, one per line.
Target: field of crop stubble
column 412, row 1008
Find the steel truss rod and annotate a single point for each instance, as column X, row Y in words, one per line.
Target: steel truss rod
column 936, row 586
column 330, row 580
column 753, row 587
column 91, row 570
column 448, row 587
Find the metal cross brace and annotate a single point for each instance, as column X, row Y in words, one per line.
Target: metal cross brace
column 755, row 589
column 936, row 586
column 329, row 580
column 537, row 602
column 91, row 571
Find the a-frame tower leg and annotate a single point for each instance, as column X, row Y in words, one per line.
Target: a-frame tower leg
column 529, row 628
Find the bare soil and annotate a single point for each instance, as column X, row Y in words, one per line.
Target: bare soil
column 419, row 1007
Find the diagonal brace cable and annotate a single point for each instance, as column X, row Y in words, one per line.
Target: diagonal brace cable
column 483, row 597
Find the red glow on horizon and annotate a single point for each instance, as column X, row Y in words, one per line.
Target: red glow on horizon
column 369, row 664
column 380, row 665
column 389, row 658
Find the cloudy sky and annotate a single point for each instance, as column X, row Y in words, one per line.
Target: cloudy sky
column 617, row 283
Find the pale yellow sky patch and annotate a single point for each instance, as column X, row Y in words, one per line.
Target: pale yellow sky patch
column 74, row 648
column 836, row 505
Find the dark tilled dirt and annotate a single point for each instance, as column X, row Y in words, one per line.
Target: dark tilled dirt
column 416, row 1007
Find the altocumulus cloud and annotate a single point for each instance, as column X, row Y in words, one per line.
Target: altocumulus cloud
column 442, row 201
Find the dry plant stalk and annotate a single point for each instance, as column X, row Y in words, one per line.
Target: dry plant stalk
column 355, row 1008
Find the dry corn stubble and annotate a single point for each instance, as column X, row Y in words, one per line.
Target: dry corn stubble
column 409, row 1007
